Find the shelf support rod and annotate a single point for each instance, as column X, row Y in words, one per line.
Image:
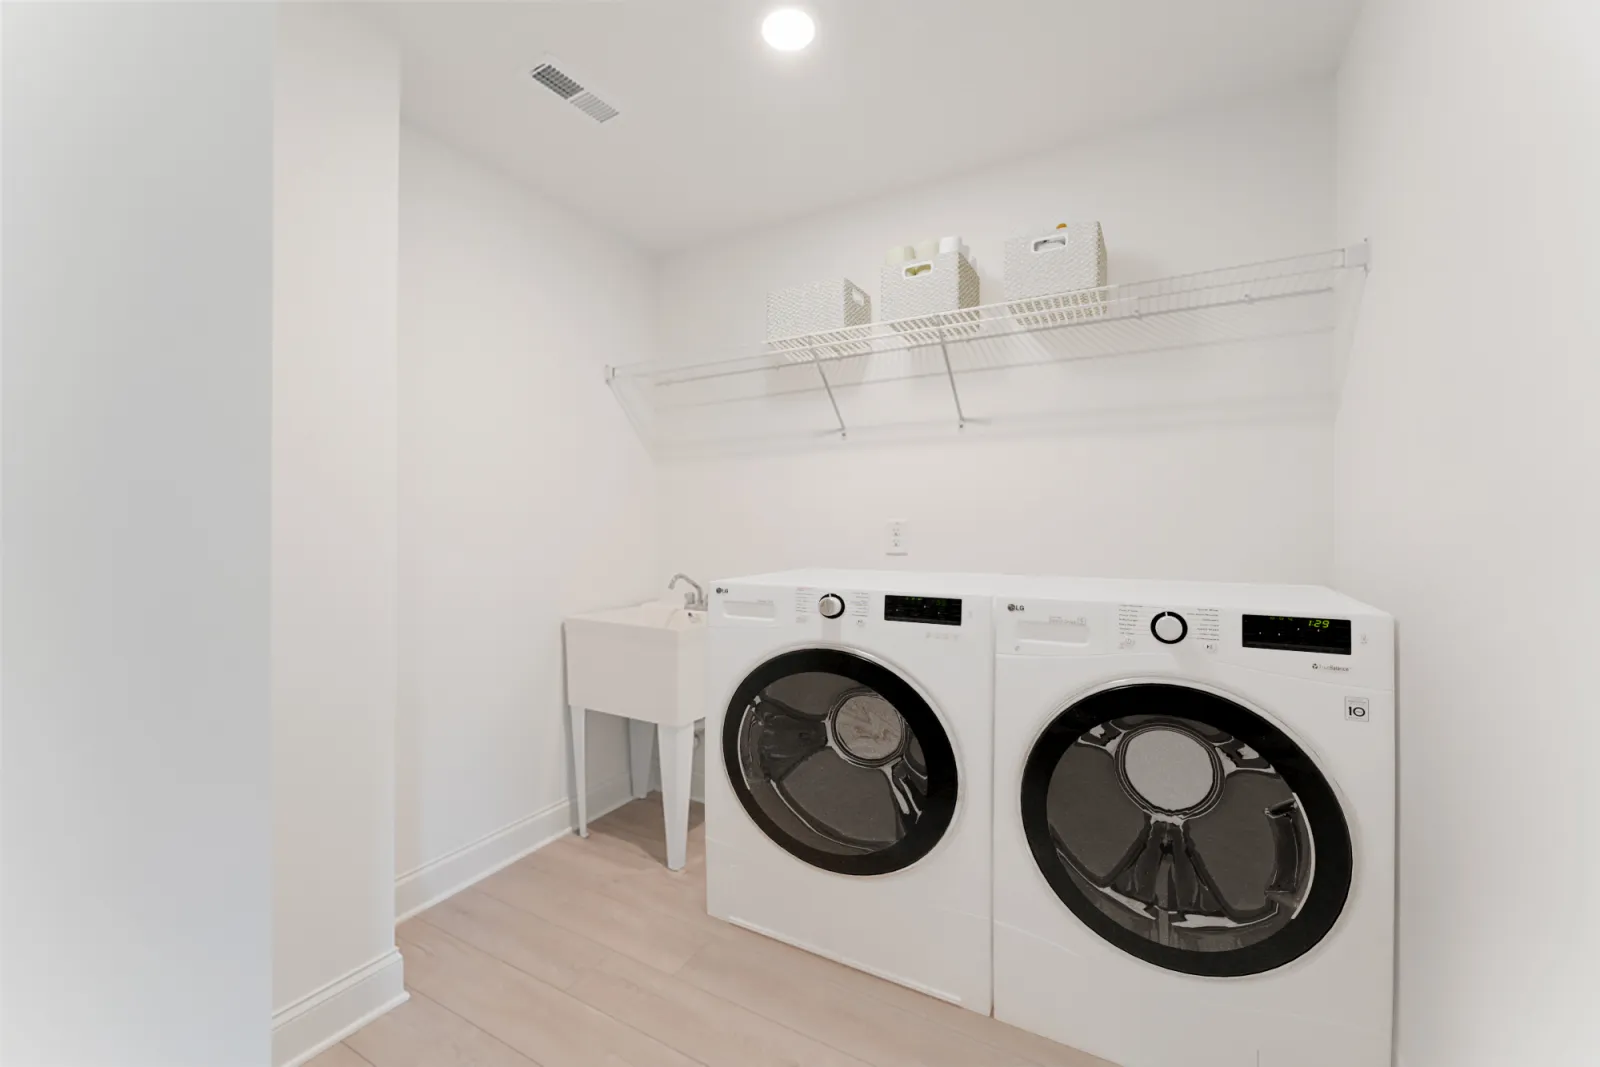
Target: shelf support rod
column 950, row 374
column 826, row 385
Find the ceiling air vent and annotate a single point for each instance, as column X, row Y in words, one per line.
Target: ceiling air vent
column 567, row 88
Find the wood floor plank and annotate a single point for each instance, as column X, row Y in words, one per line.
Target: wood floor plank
column 657, row 940
column 424, row 1033
column 645, row 817
column 873, row 1030
column 700, row 1024
column 338, row 1056
column 768, row 955
column 641, row 825
column 593, row 865
column 654, row 850
column 538, row 1020
column 551, row 953
column 590, row 952
column 600, row 853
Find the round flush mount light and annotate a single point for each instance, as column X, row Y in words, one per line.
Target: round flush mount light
column 788, row 29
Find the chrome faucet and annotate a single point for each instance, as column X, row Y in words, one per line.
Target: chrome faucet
column 695, row 601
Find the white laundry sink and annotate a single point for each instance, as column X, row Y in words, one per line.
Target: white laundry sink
column 645, row 662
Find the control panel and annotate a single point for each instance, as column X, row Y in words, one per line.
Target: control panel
column 859, row 608
column 831, row 605
column 847, row 611
column 1199, row 637
column 1140, row 624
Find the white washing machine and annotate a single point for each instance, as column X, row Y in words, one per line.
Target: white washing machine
column 1195, row 822
column 848, row 776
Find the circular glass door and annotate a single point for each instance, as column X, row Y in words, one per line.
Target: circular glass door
column 840, row 761
column 1186, row 829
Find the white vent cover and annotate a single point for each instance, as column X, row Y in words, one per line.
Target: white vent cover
column 569, row 89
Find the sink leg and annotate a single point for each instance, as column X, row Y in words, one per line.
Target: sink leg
column 677, row 763
column 641, row 742
column 579, row 718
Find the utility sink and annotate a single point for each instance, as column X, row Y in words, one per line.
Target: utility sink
column 645, row 662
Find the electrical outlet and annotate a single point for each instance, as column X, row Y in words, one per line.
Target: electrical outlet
column 896, row 542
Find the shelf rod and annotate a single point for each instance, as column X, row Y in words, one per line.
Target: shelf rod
column 825, row 384
column 950, row 375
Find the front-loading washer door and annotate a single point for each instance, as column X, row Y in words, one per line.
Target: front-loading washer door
column 840, row 761
column 1186, row 829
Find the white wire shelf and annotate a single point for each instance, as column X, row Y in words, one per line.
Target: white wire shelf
column 1256, row 334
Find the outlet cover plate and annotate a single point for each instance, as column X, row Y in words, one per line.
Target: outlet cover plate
column 896, row 538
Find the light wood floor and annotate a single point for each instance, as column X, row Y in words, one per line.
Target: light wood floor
column 590, row 952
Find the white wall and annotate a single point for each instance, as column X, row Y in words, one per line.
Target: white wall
column 1468, row 483
column 334, row 527
column 137, row 348
column 525, row 496
column 1208, row 495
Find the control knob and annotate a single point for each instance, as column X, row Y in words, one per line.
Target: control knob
column 1169, row 627
column 831, row 606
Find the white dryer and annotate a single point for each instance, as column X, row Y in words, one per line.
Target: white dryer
column 1195, row 822
column 848, row 776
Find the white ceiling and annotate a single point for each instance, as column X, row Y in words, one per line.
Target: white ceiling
column 720, row 133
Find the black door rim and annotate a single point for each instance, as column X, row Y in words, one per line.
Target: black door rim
column 933, row 737
column 1321, row 806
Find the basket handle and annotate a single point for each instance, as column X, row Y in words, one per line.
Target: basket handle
column 1051, row 243
column 914, row 269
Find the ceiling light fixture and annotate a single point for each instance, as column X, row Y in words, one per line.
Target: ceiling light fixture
column 788, row 29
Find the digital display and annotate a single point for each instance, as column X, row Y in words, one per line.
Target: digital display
column 1291, row 633
column 938, row 610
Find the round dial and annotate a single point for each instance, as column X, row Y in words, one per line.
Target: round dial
column 831, row 606
column 1169, row 627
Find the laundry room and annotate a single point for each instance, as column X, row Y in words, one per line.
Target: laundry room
column 853, row 533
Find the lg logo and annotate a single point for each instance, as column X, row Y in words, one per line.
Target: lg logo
column 1015, row 607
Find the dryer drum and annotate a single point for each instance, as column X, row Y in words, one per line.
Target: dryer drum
column 1186, row 829
column 840, row 761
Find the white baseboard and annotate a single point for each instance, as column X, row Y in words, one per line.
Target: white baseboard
column 323, row 1018
column 327, row 1016
column 438, row 879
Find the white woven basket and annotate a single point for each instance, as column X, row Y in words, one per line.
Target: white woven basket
column 1047, row 262
column 805, row 309
column 948, row 282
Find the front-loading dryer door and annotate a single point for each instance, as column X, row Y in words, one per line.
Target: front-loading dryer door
column 840, row 761
column 1186, row 829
